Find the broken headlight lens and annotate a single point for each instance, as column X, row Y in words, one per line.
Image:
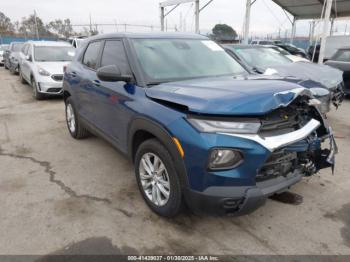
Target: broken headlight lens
column 217, row 126
column 222, row 158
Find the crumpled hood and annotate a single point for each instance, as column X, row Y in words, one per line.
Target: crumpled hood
column 327, row 76
column 54, row 68
column 251, row 96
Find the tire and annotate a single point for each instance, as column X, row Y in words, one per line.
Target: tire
column 171, row 206
column 23, row 81
column 79, row 131
column 36, row 94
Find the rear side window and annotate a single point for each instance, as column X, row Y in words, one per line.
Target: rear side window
column 91, row 55
column 114, row 54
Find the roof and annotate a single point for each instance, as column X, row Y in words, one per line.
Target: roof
column 311, row 9
column 159, row 35
column 49, row 43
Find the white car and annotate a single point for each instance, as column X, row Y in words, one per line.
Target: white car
column 41, row 65
column 2, row 51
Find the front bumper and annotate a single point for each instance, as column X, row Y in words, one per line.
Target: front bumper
column 51, row 88
column 239, row 200
column 237, row 191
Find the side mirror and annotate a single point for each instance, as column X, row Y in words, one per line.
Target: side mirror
column 28, row 57
column 112, row 73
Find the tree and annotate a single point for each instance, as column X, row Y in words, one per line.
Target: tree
column 5, row 24
column 224, row 32
column 90, row 31
column 28, row 26
column 63, row 28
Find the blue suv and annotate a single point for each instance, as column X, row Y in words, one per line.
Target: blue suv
column 198, row 127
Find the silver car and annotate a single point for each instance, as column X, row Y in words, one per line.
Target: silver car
column 41, row 65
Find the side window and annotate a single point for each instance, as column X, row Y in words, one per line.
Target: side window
column 343, row 56
column 114, row 54
column 91, row 55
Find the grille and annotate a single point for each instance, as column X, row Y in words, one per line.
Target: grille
column 280, row 163
column 279, row 122
column 57, row 77
column 54, row 90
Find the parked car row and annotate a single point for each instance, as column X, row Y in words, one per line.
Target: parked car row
column 201, row 125
column 325, row 82
column 335, row 56
column 40, row 64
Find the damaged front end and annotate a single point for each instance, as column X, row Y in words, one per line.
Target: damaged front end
column 299, row 139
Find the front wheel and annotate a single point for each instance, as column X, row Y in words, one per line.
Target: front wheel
column 23, row 81
column 75, row 127
column 157, row 178
column 36, row 94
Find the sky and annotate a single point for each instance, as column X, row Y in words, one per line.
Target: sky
column 266, row 17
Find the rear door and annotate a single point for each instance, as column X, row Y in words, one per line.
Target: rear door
column 111, row 97
column 83, row 75
column 25, row 66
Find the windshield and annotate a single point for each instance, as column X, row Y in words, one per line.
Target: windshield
column 53, row 53
column 261, row 57
column 177, row 59
column 17, row 47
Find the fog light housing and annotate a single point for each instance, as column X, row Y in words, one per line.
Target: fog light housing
column 224, row 158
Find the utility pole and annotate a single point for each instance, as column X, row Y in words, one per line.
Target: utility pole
column 325, row 30
column 294, row 27
column 90, row 25
column 36, row 26
column 247, row 22
column 196, row 12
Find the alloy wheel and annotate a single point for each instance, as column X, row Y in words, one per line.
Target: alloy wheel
column 154, row 179
column 70, row 118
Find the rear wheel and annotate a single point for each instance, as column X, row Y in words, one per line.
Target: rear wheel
column 36, row 94
column 157, row 178
column 75, row 127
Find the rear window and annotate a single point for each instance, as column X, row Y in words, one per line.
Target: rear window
column 91, row 55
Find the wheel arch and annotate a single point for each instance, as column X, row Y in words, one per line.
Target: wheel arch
column 142, row 129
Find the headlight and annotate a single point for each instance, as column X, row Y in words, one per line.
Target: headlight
column 43, row 72
column 216, row 126
column 224, row 158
